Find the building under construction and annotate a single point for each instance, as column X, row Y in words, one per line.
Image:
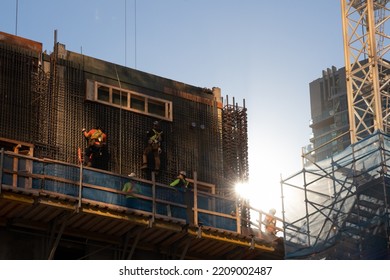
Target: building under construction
column 344, row 185
column 54, row 207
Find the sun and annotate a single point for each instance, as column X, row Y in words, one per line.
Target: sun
column 261, row 197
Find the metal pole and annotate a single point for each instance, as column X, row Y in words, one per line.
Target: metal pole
column 1, row 168
column 195, row 199
column 57, row 241
column 153, row 196
column 80, row 186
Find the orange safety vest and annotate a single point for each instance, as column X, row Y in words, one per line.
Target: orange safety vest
column 96, row 137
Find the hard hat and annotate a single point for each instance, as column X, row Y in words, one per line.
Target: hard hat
column 272, row 211
column 132, row 174
column 155, row 122
column 183, row 173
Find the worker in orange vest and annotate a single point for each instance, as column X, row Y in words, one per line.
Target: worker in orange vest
column 270, row 222
column 97, row 140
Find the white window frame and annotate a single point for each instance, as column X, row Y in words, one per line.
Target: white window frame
column 166, row 106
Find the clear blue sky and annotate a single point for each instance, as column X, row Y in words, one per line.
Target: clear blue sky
column 266, row 52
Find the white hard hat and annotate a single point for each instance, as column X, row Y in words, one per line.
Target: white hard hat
column 272, row 211
column 183, row 173
column 132, row 174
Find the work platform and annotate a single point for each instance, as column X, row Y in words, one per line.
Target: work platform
column 58, row 210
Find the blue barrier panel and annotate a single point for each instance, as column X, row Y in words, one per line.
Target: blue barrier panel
column 162, row 209
column 37, row 169
column 117, row 199
column 102, row 196
column 61, row 187
column 23, row 182
column 138, row 204
column 165, row 193
column 101, row 179
column 217, row 221
column 178, row 212
column 7, row 179
column 62, row 171
column 143, row 189
column 22, row 164
column 117, row 183
column 216, row 204
column 8, row 162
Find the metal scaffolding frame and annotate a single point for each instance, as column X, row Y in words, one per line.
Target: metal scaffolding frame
column 339, row 208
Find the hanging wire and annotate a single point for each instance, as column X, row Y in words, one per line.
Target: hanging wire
column 135, row 34
column 16, row 18
column 120, row 122
column 125, row 32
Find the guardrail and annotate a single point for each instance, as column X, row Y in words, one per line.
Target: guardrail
column 89, row 186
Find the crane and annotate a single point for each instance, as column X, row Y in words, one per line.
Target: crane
column 366, row 45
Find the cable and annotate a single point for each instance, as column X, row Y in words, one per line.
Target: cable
column 16, row 20
column 120, row 122
column 135, row 34
column 125, row 32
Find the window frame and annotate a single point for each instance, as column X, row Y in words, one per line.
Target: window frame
column 164, row 105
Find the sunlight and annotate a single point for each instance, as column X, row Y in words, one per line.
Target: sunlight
column 259, row 197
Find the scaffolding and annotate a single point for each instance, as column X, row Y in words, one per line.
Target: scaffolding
column 338, row 208
column 345, row 198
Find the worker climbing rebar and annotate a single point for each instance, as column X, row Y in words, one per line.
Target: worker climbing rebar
column 96, row 145
column 154, row 140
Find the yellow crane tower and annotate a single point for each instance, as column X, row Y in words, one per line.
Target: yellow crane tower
column 366, row 45
column 346, row 197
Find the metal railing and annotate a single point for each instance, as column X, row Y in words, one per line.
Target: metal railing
column 88, row 186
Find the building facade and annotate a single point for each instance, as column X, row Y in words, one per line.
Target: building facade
column 47, row 99
column 54, row 207
column 329, row 114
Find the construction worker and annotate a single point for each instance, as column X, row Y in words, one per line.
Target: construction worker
column 155, row 139
column 180, row 182
column 97, row 140
column 128, row 187
column 270, row 222
column 182, row 185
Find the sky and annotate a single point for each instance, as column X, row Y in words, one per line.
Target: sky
column 262, row 53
